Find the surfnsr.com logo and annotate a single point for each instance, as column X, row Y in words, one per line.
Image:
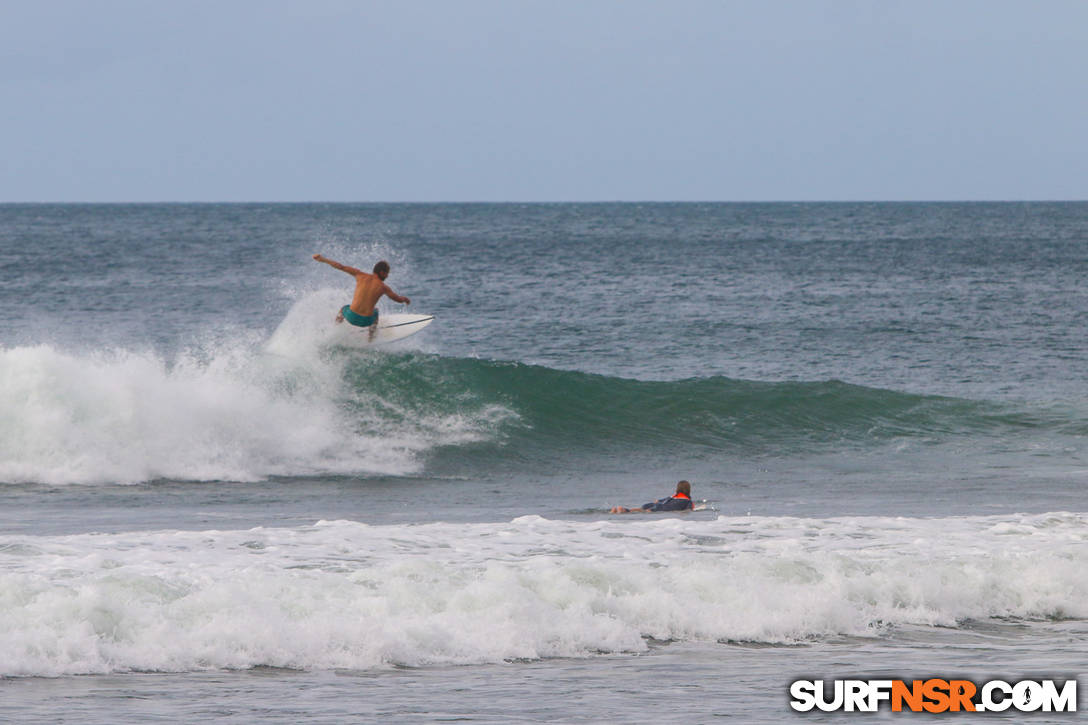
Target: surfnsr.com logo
column 933, row 695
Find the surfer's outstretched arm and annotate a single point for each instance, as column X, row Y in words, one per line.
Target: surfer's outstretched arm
column 395, row 297
column 337, row 265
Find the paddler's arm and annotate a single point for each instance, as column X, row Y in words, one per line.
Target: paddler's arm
column 337, row 265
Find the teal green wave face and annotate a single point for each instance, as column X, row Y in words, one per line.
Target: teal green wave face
column 560, row 410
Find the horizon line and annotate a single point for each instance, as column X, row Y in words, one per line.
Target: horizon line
column 553, row 201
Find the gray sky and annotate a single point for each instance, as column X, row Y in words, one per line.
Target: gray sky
column 519, row 100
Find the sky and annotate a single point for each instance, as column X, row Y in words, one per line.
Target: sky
column 554, row 100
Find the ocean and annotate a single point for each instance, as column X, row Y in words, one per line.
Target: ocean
column 210, row 511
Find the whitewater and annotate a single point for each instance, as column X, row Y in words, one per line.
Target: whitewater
column 340, row 594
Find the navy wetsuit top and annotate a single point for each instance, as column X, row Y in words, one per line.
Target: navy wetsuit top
column 672, row 503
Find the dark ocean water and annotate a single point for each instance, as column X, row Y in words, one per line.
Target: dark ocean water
column 882, row 404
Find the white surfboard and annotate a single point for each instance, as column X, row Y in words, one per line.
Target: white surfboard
column 391, row 327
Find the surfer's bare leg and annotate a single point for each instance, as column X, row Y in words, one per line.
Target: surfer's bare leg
column 339, row 317
column 372, row 330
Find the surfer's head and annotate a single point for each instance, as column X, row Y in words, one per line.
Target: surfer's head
column 684, row 487
column 382, row 270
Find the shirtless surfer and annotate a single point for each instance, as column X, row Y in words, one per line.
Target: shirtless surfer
column 368, row 290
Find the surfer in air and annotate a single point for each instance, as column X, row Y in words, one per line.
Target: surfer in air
column 369, row 288
column 679, row 501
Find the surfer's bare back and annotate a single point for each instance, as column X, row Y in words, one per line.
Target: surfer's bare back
column 369, row 288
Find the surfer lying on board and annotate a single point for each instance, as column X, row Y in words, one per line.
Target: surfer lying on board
column 368, row 290
column 679, row 501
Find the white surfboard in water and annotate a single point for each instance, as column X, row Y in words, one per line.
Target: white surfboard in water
column 391, row 327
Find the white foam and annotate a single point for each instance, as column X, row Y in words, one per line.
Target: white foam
column 347, row 595
column 236, row 411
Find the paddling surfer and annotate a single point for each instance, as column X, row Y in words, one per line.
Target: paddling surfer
column 679, row 501
column 369, row 288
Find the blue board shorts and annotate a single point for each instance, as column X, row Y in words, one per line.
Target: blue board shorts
column 359, row 320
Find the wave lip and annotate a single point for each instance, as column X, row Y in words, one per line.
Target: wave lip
column 347, row 595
